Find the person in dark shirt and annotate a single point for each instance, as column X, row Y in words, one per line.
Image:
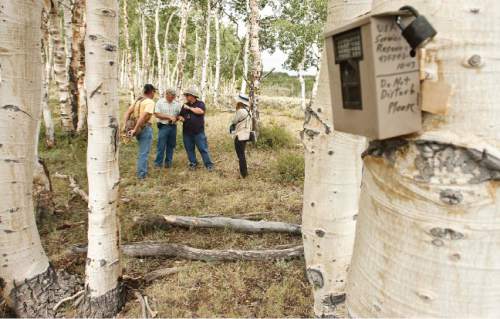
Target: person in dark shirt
column 193, row 117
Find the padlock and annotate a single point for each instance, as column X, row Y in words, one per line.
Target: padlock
column 419, row 32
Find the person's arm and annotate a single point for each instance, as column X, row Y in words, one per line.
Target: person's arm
column 126, row 117
column 143, row 119
column 196, row 110
column 165, row 117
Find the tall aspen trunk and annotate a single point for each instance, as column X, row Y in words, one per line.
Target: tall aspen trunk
column 67, row 9
column 166, row 50
column 246, row 53
column 302, row 82
column 217, row 53
column 428, row 236
column 196, row 66
column 138, row 71
column 77, row 66
column 254, row 20
column 159, row 67
column 233, row 72
column 181, row 47
column 60, row 70
column 46, row 113
column 103, row 269
column 206, row 54
column 332, row 185
column 144, row 48
column 314, row 91
column 130, row 62
column 25, row 270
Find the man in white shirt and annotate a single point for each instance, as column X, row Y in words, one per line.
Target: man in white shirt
column 167, row 111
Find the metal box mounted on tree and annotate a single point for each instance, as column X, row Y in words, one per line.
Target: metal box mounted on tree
column 374, row 79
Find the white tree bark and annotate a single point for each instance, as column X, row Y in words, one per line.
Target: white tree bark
column 77, row 66
column 67, row 8
column 181, row 47
column 217, row 53
column 23, row 257
column 254, row 20
column 196, row 66
column 428, row 236
column 332, row 185
column 60, row 70
column 144, row 48
column 130, row 62
column 19, row 117
column 166, row 50
column 103, row 267
column 206, row 53
column 245, row 56
column 157, row 46
column 302, row 82
column 46, row 112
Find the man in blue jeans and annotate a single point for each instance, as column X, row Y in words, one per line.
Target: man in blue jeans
column 141, row 113
column 167, row 111
column 193, row 117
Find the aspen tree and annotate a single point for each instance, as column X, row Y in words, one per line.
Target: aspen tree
column 159, row 67
column 60, row 68
column 130, row 62
column 181, row 47
column 67, row 9
column 206, row 54
column 332, row 184
column 302, row 82
column 46, row 112
column 217, row 52
column 103, row 270
column 77, row 65
column 254, row 20
column 166, row 49
column 246, row 53
column 428, row 229
column 25, row 270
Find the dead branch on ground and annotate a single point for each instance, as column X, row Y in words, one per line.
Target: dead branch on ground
column 75, row 188
column 237, row 225
column 157, row 249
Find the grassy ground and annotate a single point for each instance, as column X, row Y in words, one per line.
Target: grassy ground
column 240, row 289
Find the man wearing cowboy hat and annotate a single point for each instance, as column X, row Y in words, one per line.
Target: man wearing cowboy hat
column 193, row 117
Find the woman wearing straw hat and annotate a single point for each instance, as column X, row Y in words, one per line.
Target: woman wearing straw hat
column 241, row 127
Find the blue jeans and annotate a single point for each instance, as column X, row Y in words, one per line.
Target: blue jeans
column 200, row 141
column 167, row 140
column 145, row 139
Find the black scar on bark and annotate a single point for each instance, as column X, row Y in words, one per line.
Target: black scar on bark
column 105, row 306
column 49, row 288
column 113, row 124
column 15, row 108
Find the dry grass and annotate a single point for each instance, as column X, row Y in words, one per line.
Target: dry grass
column 241, row 289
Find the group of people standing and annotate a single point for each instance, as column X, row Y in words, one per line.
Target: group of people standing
column 139, row 121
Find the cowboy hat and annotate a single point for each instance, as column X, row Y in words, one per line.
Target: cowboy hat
column 192, row 91
column 243, row 99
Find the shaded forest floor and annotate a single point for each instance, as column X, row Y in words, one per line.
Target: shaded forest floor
column 237, row 289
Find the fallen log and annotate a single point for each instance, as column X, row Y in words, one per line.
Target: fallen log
column 157, row 249
column 75, row 188
column 237, row 225
column 159, row 273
